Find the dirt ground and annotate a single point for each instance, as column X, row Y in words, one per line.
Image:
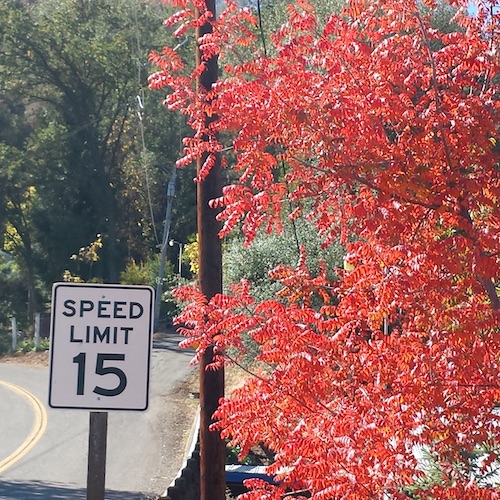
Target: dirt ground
column 28, row 358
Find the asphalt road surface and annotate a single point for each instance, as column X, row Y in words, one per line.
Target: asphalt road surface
column 43, row 451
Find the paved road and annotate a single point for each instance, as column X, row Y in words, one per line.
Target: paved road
column 145, row 449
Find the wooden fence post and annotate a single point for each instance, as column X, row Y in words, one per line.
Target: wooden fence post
column 37, row 330
column 14, row 334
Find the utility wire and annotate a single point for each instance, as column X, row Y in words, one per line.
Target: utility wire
column 262, row 36
column 140, row 114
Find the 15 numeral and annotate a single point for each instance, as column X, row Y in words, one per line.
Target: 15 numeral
column 100, row 369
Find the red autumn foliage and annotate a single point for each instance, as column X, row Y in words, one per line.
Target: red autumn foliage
column 387, row 130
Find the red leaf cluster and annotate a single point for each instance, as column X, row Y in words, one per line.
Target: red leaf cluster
column 387, row 132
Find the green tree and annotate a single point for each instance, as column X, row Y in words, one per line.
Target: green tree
column 77, row 63
column 81, row 141
column 266, row 251
column 18, row 195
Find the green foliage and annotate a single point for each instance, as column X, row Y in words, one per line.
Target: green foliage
column 28, row 345
column 273, row 13
column 268, row 250
column 170, row 306
column 44, row 345
column 232, row 453
column 441, row 16
column 13, row 294
column 5, row 341
column 76, row 157
column 190, row 254
column 134, row 274
column 144, row 273
column 482, row 466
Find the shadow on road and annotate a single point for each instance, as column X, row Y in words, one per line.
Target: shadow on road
column 33, row 490
column 170, row 342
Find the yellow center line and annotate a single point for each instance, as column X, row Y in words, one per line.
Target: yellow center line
column 37, row 430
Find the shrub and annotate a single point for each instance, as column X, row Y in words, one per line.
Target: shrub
column 268, row 250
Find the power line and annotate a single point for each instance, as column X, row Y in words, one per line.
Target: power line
column 140, row 114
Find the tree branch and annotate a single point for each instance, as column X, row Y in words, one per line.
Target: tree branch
column 437, row 101
column 490, row 288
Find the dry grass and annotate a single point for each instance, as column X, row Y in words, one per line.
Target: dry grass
column 235, row 377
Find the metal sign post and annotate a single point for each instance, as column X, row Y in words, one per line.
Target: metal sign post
column 96, row 472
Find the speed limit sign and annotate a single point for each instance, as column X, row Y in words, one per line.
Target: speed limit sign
column 100, row 346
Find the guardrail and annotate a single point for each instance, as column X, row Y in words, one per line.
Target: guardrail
column 186, row 485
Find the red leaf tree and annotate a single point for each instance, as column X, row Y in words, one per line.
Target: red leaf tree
column 386, row 130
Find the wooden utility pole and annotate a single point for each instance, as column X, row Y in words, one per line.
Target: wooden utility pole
column 212, row 447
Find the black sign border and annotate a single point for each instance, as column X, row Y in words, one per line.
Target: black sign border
column 55, row 288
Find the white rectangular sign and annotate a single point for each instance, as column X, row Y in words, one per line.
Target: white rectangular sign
column 100, row 346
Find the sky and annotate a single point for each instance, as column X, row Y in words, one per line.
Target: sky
column 473, row 9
